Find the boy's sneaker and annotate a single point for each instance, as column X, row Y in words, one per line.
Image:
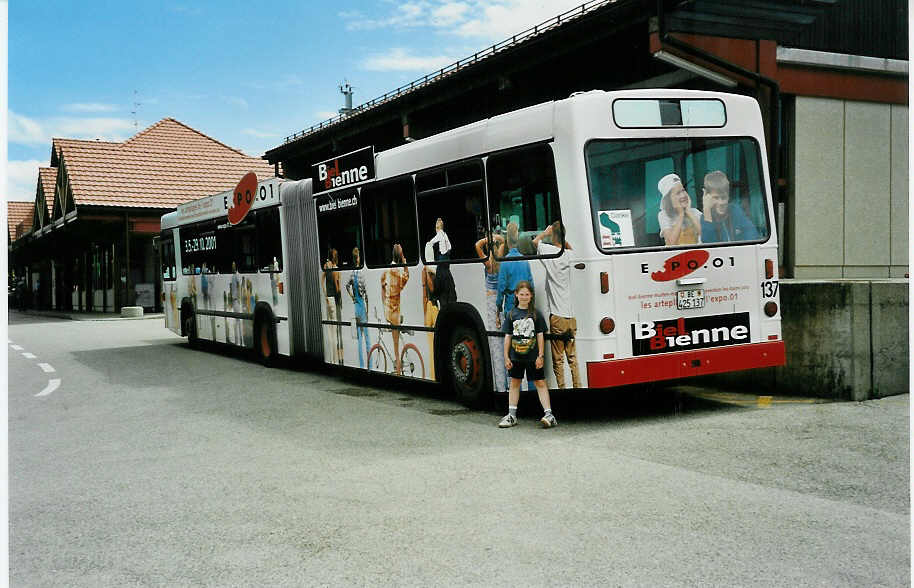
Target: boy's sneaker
column 509, row 421
column 548, row 421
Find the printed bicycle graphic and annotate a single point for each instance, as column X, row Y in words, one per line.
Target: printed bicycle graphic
column 380, row 356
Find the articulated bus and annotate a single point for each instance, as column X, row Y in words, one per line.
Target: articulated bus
column 643, row 218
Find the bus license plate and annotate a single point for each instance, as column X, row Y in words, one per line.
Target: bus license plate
column 690, row 299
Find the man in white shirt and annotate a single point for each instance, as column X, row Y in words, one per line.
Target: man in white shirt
column 562, row 325
column 440, row 238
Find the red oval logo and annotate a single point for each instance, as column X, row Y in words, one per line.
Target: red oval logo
column 242, row 198
column 681, row 265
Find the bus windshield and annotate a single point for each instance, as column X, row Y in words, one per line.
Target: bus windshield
column 676, row 192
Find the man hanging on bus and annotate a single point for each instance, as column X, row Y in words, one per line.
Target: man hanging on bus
column 562, row 324
column 722, row 220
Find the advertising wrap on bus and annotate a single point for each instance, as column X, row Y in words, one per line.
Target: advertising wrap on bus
column 353, row 168
column 254, row 195
column 646, row 241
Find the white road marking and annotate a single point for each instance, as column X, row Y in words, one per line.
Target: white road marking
column 47, row 367
column 52, row 385
column 16, row 347
column 28, row 355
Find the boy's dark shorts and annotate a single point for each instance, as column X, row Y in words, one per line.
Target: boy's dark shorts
column 518, row 368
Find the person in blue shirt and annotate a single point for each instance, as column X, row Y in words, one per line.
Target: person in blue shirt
column 721, row 220
column 511, row 273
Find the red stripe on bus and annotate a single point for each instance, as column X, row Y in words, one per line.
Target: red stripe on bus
column 669, row 366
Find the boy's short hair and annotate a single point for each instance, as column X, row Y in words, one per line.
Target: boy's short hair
column 717, row 181
column 512, row 234
column 558, row 234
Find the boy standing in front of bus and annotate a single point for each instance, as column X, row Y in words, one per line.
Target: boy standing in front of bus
column 562, row 324
column 524, row 348
column 510, row 274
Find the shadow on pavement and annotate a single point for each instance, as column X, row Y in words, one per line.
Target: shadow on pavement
column 175, row 364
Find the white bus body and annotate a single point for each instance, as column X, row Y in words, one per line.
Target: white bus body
column 644, row 310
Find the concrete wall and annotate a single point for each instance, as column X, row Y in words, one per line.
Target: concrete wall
column 845, row 339
column 849, row 189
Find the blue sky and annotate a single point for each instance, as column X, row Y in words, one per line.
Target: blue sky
column 247, row 75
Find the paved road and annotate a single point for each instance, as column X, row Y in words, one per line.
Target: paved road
column 155, row 465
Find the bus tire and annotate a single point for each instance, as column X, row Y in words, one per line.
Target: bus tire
column 265, row 340
column 467, row 367
column 189, row 321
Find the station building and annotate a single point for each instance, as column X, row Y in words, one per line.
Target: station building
column 87, row 241
column 831, row 77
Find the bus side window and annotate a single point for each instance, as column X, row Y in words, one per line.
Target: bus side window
column 167, row 247
column 339, row 226
column 389, row 214
column 450, row 207
column 523, row 192
column 244, row 249
column 269, row 240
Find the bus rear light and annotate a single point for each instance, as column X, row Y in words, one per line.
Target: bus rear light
column 771, row 308
column 608, row 355
column 604, row 282
column 772, row 337
column 607, row 325
column 769, row 269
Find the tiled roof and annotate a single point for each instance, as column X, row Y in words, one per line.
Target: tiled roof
column 163, row 166
column 19, row 212
column 47, row 178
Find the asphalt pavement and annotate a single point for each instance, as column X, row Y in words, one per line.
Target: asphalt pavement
column 152, row 464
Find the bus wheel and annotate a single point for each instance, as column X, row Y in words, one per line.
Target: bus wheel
column 377, row 359
column 466, row 368
column 190, row 327
column 265, row 342
column 411, row 362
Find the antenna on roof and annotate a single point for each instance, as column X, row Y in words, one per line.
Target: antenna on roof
column 346, row 89
column 136, row 107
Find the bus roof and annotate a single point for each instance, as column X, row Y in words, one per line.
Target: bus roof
column 215, row 206
column 525, row 126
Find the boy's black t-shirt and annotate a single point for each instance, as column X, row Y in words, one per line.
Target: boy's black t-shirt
column 523, row 329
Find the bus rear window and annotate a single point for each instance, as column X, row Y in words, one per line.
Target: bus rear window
column 649, row 113
column 712, row 192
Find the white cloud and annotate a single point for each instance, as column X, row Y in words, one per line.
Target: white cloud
column 258, row 134
column 22, row 129
column 27, row 131
column 22, row 179
column 488, row 20
column 322, row 115
column 499, row 19
column 236, row 101
column 400, row 59
column 449, row 14
column 406, row 14
column 89, row 107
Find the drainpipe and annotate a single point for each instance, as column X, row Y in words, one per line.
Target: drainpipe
column 773, row 85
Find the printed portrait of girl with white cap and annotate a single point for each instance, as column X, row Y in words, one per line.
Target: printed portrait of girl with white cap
column 680, row 223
